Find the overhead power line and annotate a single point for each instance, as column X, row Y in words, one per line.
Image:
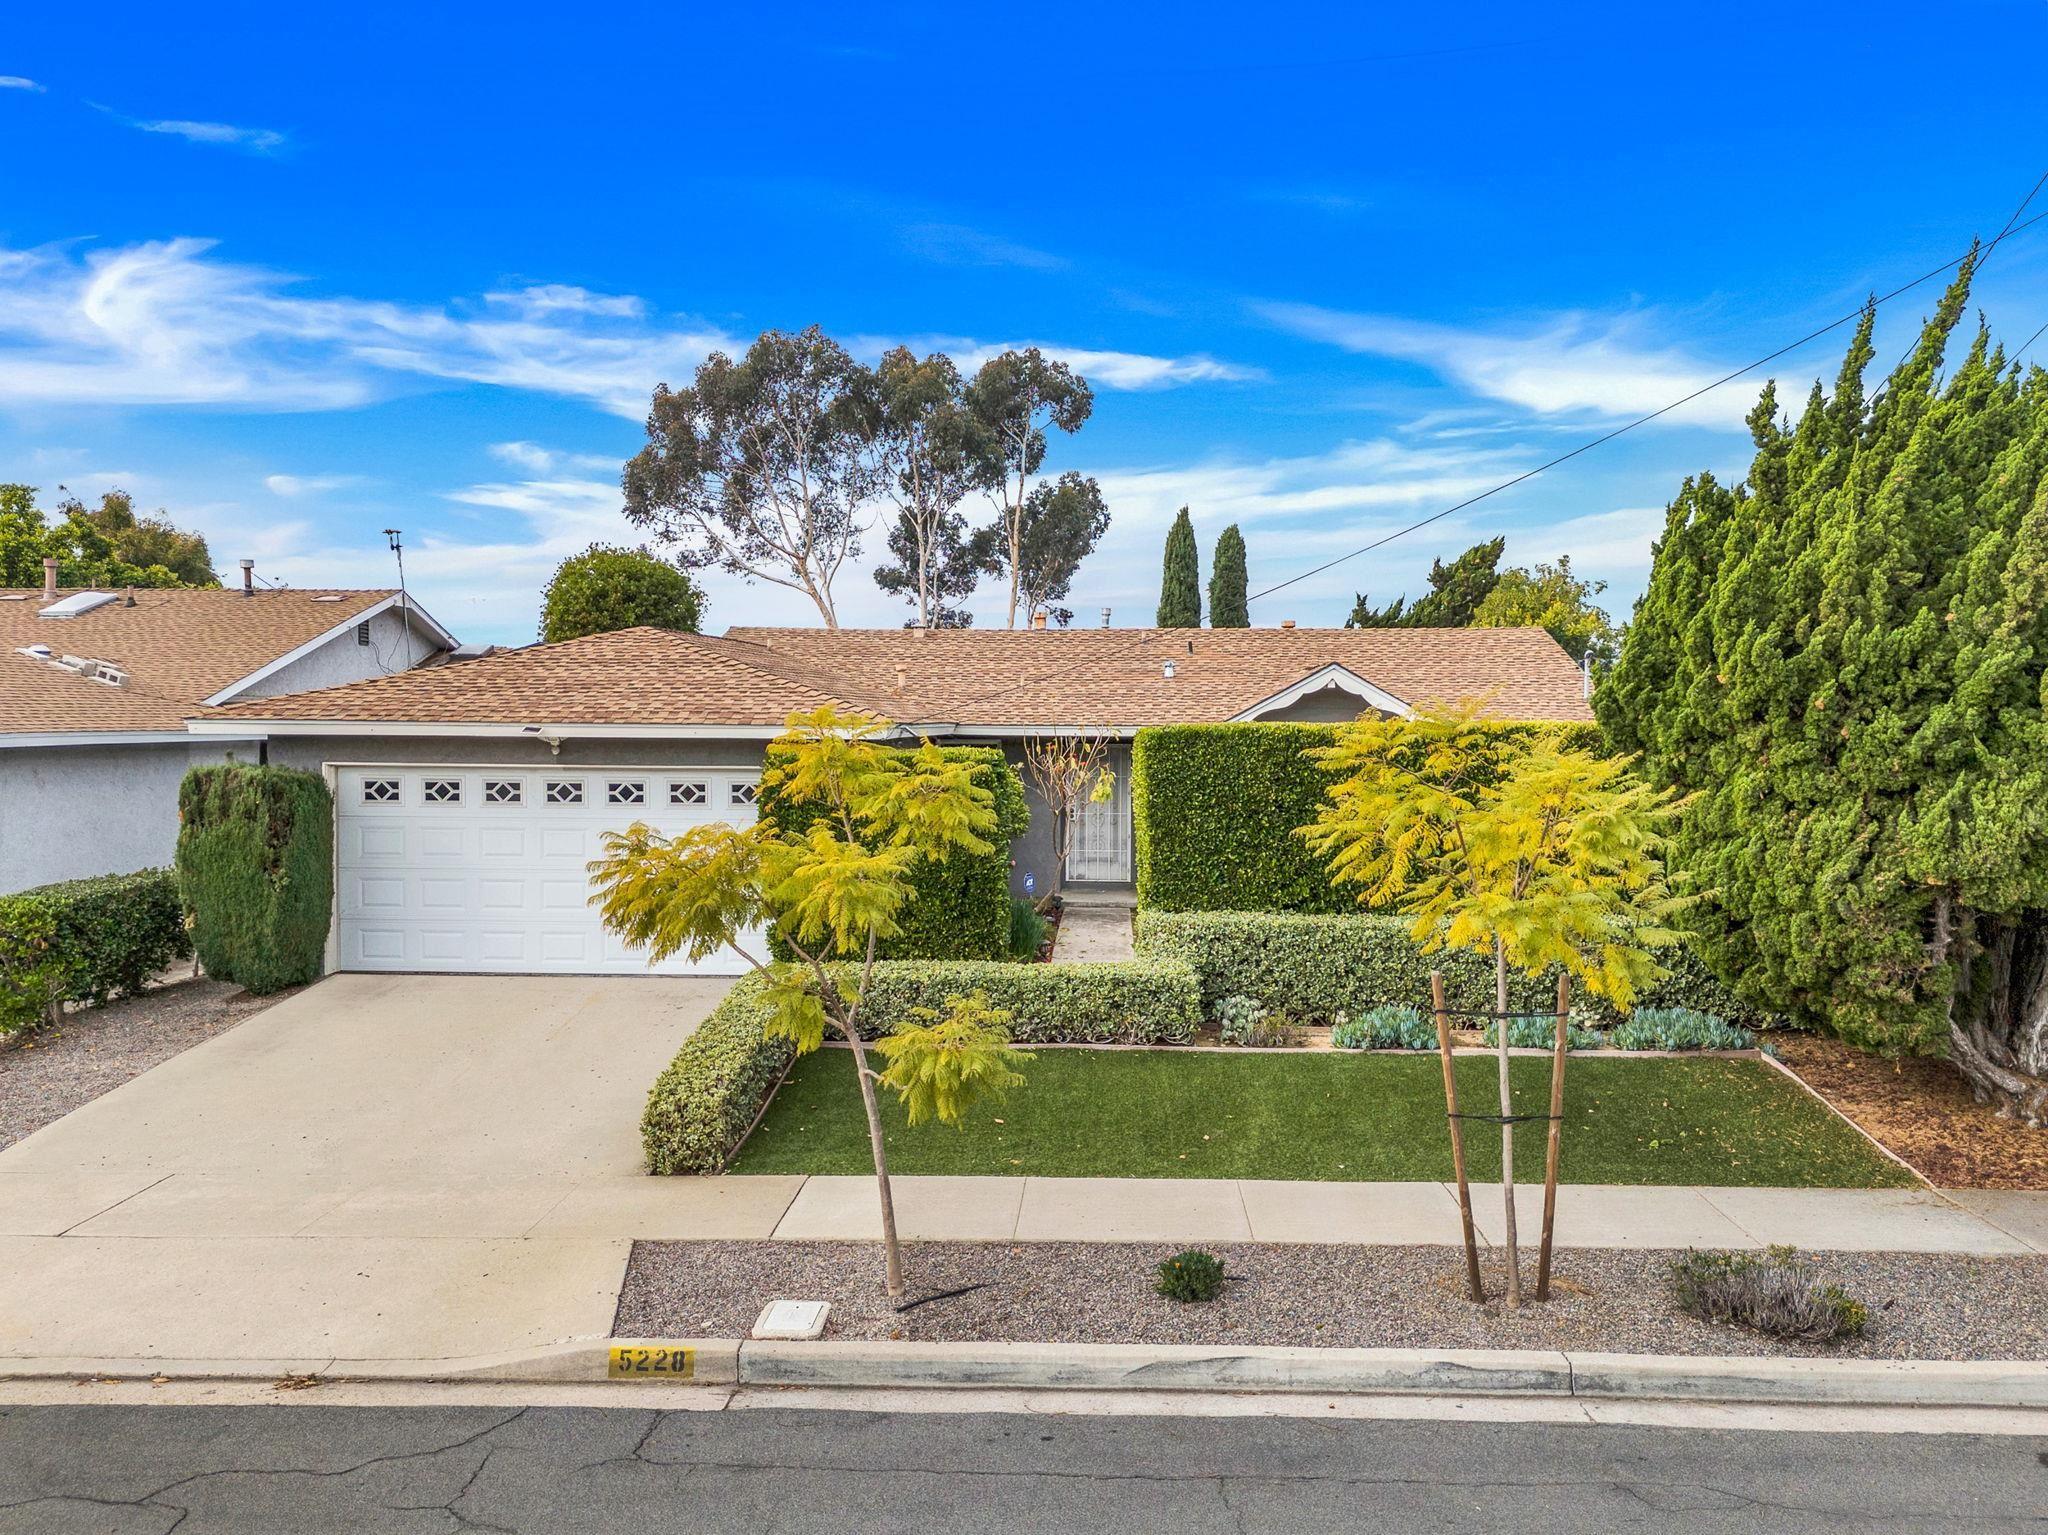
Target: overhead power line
column 2012, row 228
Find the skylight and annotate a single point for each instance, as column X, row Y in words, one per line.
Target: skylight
column 77, row 604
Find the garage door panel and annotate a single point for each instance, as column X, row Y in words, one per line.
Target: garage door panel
column 483, row 870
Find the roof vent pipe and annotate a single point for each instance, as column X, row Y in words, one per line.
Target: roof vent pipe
column 49, row 578
column 128, row 598
column 1166, row 670
column 248, row 578
column 1105, row 618
column 899, row 679
column 1287, row 623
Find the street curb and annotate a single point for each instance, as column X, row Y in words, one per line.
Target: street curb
column 1146, row 1367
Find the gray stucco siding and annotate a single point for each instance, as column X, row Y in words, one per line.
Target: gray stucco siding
column 343, row 660
column 69, row 812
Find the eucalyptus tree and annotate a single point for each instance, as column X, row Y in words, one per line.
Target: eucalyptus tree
column 764, row 467
column 929, row 448
column 1014, row 399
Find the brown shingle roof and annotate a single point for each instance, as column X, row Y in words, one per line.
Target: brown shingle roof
column 628, row 677
column 178, row 647
column 1116, row 676
column 1016, row 678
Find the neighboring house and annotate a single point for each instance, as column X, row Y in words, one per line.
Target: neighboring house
column 96, row 689
column 469, row 797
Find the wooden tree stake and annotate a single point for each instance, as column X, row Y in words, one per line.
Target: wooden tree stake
column 1564, row 1010
column 1443, row 1045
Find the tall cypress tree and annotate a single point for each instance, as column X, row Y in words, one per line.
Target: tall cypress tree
column 1229, row 605
column 1180, row 585
column 1844, row 661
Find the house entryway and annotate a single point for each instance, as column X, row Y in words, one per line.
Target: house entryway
column 1095, row 925
column 1101, row 853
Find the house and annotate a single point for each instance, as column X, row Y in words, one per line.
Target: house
column 470, row 796
column 96, row 689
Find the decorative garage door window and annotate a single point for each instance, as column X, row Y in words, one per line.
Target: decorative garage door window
column 443, row 791
column 380, row 791
column 565, row 791
column 743, row 793
column 503, row 791
column 623, row 793
column 691, row 792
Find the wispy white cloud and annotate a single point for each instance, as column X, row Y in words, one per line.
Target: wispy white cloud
column 259, row 141
column 959, row 245
column 20, row 83
column 293, row 486
column 168, row 322
column 1570, row 363
column 535, row 459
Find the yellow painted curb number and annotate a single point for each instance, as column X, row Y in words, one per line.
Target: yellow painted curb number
column 652, row 1361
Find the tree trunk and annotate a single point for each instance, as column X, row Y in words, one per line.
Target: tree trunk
column 892, row 1254
column 1507, row 1107
column 1998, row 1027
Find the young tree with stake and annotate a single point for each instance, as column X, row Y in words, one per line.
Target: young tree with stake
column 1068, row 770
column 1507, row 843
column 836, row 888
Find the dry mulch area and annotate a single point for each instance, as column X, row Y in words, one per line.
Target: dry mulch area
column 1921, row 1110
column 1922, row 1306
column 46, row 1073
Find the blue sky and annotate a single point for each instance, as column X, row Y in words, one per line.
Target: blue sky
column 296, row 278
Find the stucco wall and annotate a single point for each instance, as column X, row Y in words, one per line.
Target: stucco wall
column 67, row 812
column 341, row 659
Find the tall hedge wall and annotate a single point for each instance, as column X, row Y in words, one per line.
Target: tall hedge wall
column 256, row 872
column 1216, row 809
column 960, row 906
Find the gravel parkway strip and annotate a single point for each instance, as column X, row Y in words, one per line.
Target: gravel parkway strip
column 1922, row 1305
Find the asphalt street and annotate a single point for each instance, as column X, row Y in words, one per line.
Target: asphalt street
column 304, row 1469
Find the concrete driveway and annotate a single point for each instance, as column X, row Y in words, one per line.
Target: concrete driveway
column 380, row 1166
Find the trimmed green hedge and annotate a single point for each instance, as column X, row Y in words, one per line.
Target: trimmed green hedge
column 107, row 935
column 1216, row 808
column 256, row 872
column 1313, row 967
column 707, row 1099
column 959, row 907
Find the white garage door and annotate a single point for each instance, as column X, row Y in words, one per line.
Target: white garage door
column 483, row 868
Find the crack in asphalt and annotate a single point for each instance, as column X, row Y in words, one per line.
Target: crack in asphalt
column 154, row 1500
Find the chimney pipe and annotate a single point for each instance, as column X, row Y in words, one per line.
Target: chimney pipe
column 248, row 578
column 49, row 578
column 1038, row 619
column 128, row 598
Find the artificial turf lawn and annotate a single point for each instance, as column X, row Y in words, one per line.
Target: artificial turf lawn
column 1331, row 1116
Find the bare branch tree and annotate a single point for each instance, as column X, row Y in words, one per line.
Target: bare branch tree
column 1067, row 770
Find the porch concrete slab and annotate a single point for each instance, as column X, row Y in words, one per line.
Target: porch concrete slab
column 464, row 1208
column 44, row 1204
column 1370, row 1213
column 221, row 1205
column 1861, row 1220
column 1607, row 1215
column 2022, row 1213
column 1132, row 1210
column 1099, row 934
column 928, row 1209
column 635, row 1205
column 289, row 1298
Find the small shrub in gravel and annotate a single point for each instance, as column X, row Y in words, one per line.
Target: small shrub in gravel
column 1772, row 1293
column 1391, row 1026
column 1193, row 1275
column 1541, row 1034
column 1679, row 1028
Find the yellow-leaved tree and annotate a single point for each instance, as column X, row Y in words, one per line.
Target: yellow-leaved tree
column 836, row 888
column 1505, row 842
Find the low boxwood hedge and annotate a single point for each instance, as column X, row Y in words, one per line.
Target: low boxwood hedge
column 707, row 1099
column 105, row 936
column 1314, row 967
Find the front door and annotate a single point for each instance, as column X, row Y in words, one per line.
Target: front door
column 1102, row 830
